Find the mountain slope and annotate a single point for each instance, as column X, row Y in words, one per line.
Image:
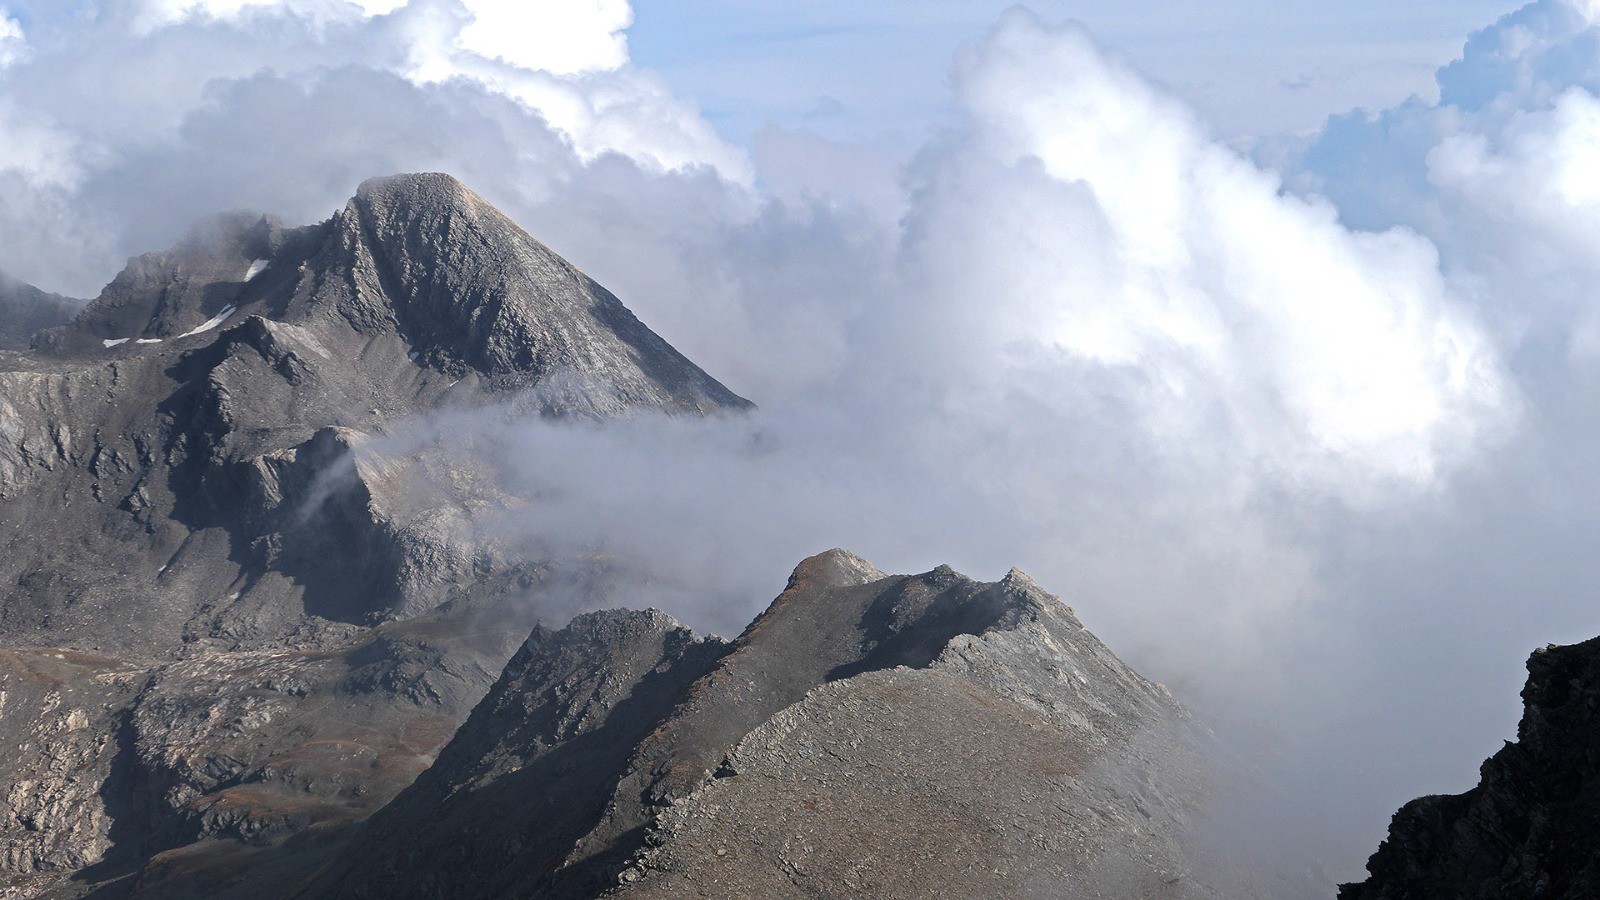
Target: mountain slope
column 236, row 601
column 235, row 387
column 867, row 735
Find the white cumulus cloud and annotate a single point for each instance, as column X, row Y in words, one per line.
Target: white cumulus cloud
column 167, row 71
column 564, row 37
column 13, row 42
column 1121, row 234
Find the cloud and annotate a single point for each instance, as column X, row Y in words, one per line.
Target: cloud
column 1525, row 57
column 1535, row 170
column 149, row 15
column 165, row 70
column 13, row 42
column 1495, row 174
column 1130, row 240
column 1448, row 592
column 556, row 36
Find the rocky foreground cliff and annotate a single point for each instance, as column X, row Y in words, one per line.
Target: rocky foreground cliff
column 1528, row 830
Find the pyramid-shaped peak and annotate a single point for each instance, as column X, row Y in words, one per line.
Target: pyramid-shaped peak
column 419, row 263
column 466, row 286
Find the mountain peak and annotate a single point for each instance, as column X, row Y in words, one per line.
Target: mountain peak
column 834, row 568
column 466, row 286
column 422, row 188
column 416, row 261
column 226, row 356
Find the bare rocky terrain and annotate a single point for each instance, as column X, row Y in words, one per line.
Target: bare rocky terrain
column 230, row 609
column 868, row 735
column 257, row 642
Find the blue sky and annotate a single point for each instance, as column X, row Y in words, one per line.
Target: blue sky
column 856, row 71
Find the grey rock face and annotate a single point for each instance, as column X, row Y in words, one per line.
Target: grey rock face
column 1528, row 829
column 226, row 606
column 867, row 735
column 467, row 287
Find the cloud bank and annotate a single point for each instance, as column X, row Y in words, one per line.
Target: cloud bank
column 1309, row 439
column 128, row 120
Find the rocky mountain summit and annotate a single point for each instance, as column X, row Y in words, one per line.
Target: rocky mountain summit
column 231, row 604
column 1528, row 829
column 206, row 426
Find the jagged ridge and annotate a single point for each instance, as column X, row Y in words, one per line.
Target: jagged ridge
column 866, row 735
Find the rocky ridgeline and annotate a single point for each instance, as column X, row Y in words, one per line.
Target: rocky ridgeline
column 1528, row 829
column 868, row 735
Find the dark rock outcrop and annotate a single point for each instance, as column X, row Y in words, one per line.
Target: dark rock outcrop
column 1528, row 829
column 237, row 601
column 868, row 735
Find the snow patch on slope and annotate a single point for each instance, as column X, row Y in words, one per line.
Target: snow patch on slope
column 211, row 323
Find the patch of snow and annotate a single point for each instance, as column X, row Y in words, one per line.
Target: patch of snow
column 160, row 570
column 256, row 268
column 148, row 341
column 115, row 342
column 211, row 323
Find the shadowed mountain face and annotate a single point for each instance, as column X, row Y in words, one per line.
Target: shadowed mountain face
column 231, row 605
column 1528, row 829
